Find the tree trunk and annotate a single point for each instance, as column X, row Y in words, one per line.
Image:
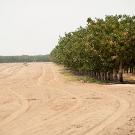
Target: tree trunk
column 120, row 72
column 102, row 76
column 127, row 70
column 115, row 77
column 108, row 76
column 94, row 74
column 133, row 71
column 91, row 73
column 99, row 76
column 105, row 76
column 111, row 76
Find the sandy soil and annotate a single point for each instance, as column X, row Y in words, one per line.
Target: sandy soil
column 36, row 99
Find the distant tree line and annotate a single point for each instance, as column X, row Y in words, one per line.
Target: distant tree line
column 24, row 58
column 104, row 49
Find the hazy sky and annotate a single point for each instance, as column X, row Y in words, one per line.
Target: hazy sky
column 33, row 26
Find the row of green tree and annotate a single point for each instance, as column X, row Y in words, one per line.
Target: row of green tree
column 24, row 58
column 103, row 49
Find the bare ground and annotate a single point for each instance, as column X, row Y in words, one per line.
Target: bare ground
column 36, row 99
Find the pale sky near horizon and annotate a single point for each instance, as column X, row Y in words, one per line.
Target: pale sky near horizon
column 33, row 26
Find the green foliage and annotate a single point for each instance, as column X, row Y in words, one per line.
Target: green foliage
column 102, row 46
column 24, row 58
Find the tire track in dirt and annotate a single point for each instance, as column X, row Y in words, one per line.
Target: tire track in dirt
column 23, row 102
column 57, row 115
column 12, row 72
column 36, row 128
column 39, row 83
column 5, row 68
column 24, row 107
column 123, row 106
column 97, row 128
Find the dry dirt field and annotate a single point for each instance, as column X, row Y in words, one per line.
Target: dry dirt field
column 36, row 99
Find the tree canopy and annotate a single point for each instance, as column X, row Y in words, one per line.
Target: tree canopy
column 24, row 58
column 103, row 49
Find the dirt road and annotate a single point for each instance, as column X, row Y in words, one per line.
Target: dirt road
column 36, row 99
